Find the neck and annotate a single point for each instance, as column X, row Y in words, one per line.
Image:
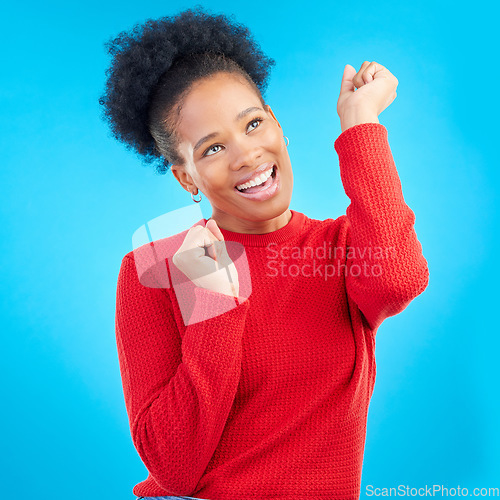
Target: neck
column 246, row 226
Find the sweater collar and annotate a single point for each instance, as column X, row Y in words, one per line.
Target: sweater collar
column 279, row 236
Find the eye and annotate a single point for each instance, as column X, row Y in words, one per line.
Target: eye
column 210, row 151
column 206, row 153
column 255, row 120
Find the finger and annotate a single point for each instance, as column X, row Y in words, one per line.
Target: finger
column 194, row 247
column 223, row 257
column 197, row 241
column 212, row 251
column 200, row 237
column 214, row 228
column 371, row 71
column 209, row 241
column 347, row 86
column 358, row 77
column 218, row 250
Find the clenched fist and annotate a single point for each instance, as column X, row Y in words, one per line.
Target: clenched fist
column 215, row 271
column 376, row 89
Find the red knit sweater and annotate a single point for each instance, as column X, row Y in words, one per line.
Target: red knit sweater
column 269, row 399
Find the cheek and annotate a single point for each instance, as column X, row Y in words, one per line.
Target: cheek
column 216, row 178
column 273, row 138
column 279, row 141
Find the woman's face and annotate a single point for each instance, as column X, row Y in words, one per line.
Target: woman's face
column 226, row 137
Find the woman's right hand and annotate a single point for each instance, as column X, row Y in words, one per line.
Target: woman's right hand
column 215, row 271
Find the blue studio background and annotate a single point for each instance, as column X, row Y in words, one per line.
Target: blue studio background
column 71, row 198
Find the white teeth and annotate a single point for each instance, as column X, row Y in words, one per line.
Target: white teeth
column 257, row 181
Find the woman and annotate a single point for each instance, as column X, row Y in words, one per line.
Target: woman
column 263, row 390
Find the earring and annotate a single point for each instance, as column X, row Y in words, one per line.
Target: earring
column 287, row 141
column 197, row 201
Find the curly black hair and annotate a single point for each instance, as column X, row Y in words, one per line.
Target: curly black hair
column 155, row 64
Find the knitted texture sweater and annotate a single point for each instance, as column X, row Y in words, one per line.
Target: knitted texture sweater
column 269, row 399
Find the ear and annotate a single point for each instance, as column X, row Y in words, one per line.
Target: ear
column 270, row 112
column 185, row 180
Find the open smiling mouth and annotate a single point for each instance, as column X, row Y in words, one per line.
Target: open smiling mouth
column 263, row 191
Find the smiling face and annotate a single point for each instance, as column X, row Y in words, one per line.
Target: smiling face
column 225, row 137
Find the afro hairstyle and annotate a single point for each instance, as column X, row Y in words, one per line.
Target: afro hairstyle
column 155, row 64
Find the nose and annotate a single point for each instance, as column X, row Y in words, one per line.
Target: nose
column 245, row 154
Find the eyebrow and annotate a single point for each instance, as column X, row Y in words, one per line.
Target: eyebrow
column 240, row 115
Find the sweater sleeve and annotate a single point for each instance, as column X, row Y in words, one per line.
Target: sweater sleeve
column 385, row 267
column 178, row 389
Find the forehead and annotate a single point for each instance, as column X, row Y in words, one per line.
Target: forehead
column 213, row 103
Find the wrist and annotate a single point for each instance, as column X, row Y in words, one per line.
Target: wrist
column 352, row 118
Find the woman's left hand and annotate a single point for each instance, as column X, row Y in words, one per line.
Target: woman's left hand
column 376, row 90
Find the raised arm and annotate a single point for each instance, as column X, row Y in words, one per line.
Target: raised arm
column 385, row 267
column 178, row 389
